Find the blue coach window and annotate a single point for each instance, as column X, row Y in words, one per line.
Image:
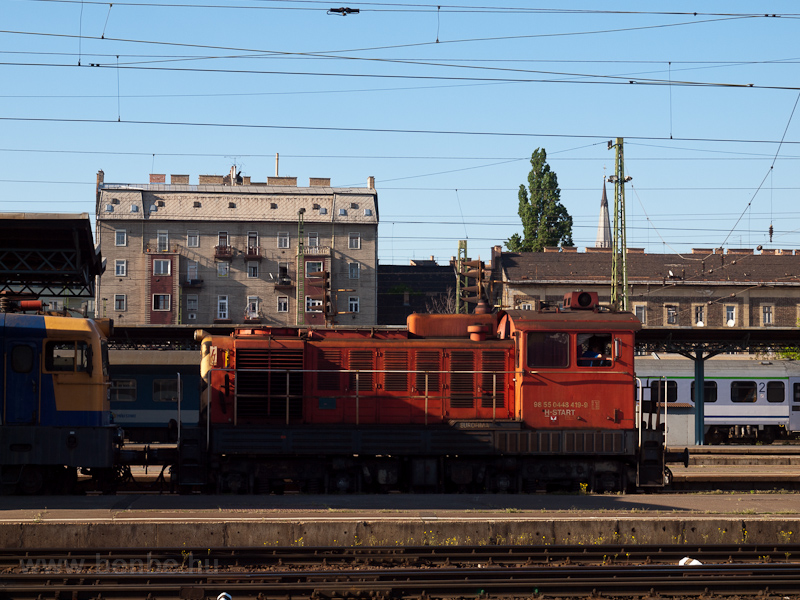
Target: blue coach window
column 548, row 349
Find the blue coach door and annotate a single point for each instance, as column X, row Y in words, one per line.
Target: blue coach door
column 22, row 383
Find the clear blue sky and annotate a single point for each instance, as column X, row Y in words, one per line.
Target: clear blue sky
column 447, row 128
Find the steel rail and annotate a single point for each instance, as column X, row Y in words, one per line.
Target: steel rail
column 286, row 558
column 417, row 583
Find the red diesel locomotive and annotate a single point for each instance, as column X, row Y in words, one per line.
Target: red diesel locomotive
column 518, row 401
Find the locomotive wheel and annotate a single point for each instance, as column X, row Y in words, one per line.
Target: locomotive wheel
column 31, row 481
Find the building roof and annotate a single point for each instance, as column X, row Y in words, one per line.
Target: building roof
column 407, row 289
column 701, row 267
column 179, row 202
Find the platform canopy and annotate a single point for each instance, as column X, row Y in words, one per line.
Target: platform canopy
column 690, row 341
column 48, row 255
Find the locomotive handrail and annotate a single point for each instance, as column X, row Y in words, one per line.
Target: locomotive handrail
column 357, row 373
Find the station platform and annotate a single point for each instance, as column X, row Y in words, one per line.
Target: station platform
column 194, row 521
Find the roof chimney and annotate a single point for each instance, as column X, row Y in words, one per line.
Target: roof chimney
column 371, row 182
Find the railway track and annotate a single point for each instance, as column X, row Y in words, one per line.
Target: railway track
column 396, row 572
column 395, row 557
column 495, row 582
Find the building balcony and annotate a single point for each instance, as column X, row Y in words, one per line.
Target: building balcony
column 253, row 253
column 317, row 250
column 156, row 249
column 223, row 252
column 192, row 283
column 284, row 281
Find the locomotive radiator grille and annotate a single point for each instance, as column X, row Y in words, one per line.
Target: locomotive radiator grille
column 462, row 384
column 493, row 361
column 395, row 379
column 331, row 360
column 262, row 379
column 362, row 360
column 428, row 360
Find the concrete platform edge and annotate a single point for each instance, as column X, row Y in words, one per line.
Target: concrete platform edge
column 537, row 532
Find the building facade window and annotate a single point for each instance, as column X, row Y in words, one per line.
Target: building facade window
column 161, row 301
column 283, row 273
column 251, row 310
column 313, row 305
column 640, row 310
column 767, row 314
column 162, row 239
column 222, row 239
column 313, row 239
column 352, row 304
column 699, row 316
column 313, row 266
column 283, row 304
column 283, row 239
column 355, row 270
column 222, row 307
column 730, row 315
column 121, row 268
column 193, row 238
column 252, row 269
column 671, row 314
column 120, row 302
column 120, row 237
column 223, row 269
column 252, row 241
column 162, row 267
column 192, row 270
column 354, row 241
column 191, row 302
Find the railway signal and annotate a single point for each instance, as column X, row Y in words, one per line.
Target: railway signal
column 324, row 284
column 474, row 270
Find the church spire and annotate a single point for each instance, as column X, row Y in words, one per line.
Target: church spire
column 604, row 224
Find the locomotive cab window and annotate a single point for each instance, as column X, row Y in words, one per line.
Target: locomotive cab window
column 594, row 350
column 22, row 359
column 548, row 349
column 68, row 356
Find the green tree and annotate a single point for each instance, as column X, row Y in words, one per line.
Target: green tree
column 545, row 221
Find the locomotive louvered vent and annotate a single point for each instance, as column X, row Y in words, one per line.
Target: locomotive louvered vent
column 267, row 380
column 462, row 385
column 428, row 361
column 395, row 379
column 493, row 383
column 330, row 361
column 361, row 360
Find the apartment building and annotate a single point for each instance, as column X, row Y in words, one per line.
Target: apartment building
column 229, row 250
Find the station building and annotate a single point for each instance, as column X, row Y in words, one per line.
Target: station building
column 230, row 250
column 709, row 287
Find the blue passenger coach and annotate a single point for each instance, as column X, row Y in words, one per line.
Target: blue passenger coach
column 153, row 390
